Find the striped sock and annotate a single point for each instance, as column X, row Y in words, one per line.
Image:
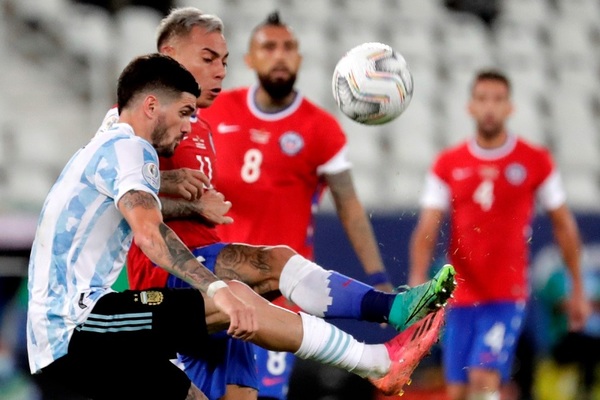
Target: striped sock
column 329, row 345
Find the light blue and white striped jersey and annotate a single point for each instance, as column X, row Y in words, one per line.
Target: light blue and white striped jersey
column 82, row 239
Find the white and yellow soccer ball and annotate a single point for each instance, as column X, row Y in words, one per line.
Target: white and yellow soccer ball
column 372, row 84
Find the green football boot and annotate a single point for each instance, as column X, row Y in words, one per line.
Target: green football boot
column 415, row 303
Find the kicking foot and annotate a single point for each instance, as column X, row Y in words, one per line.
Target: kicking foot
column 415, row 303
column 406, row 352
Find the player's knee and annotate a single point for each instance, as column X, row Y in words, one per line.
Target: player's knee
column 484, row 380
column 280, row 255
column 282, row 251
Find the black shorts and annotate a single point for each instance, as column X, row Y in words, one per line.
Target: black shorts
column 123, row 350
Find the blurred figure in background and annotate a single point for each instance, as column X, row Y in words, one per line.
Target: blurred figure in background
column 565, row 348
column 488, row 185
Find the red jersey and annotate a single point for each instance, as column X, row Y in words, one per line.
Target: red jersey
column 270, row 167
column 195, row 151
column 491, row 196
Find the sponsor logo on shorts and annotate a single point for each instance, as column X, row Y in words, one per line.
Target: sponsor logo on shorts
column 268, row 381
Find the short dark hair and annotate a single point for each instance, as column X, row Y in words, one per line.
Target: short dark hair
column 154, row 72
column 491, row 75
column 273, row 19
column 181, row 21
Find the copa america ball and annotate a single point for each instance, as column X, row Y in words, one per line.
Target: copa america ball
column 372, row 84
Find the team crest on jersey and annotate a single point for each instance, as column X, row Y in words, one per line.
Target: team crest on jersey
column 194, row 118
column 151, row 297
column 151, row 174
column 515, row 173
column 291, row 143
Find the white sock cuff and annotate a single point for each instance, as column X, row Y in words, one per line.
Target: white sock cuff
column 294, row 270
column 310, row 326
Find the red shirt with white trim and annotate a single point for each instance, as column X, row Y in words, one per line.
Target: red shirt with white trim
column 490, row 196
column 271, row 165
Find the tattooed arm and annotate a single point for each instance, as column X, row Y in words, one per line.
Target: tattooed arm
column 165, row 249
column 185, row 182
column 211, row 206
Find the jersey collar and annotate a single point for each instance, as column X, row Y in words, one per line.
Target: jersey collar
column 492, row 154
column 289, row 110
column 123, row 127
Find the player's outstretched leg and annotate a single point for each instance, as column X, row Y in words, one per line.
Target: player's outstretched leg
column 406, row 351
column 330, row 294
column 415, row 303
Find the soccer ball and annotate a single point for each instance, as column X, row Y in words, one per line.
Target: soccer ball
column 372, row 84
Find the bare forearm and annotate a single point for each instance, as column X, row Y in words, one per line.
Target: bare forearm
column 159, row 243
column 567, row 237
column 422, row 244
column 360, row 233
column 177, row 208
column 356, row 224
column 166, row 250
column 421, row 255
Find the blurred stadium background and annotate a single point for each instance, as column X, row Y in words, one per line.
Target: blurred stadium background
column 60, row 60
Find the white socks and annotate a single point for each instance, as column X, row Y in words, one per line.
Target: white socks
column 329, row 345
column 305, row 283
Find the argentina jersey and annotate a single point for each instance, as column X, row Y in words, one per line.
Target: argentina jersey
column 82, row 239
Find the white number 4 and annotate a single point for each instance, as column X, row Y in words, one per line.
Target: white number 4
column 495, row 337
column 484, row 194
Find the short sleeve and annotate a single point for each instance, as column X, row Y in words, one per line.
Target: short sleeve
column 436, row 193
column 336, row 164
column 551, row 193
column 130, row 164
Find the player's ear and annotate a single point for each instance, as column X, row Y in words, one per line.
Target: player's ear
column 470, row 107
column 168, row 50
column 248, row 61
column 150, row 106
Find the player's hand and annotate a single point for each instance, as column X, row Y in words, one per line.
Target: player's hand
column 212, row 206
column 184, row 182
column 243, row 323
column 578, row 311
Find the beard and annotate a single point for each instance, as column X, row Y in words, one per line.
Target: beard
column 158, row 136
column 490, row 131
column 278, row 89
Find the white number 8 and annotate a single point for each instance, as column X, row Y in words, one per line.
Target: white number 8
column 251, row 168
column 276, row 363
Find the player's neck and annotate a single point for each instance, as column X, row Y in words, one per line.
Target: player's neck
column 491, row 142
column 265, row 103
column 139, row 128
